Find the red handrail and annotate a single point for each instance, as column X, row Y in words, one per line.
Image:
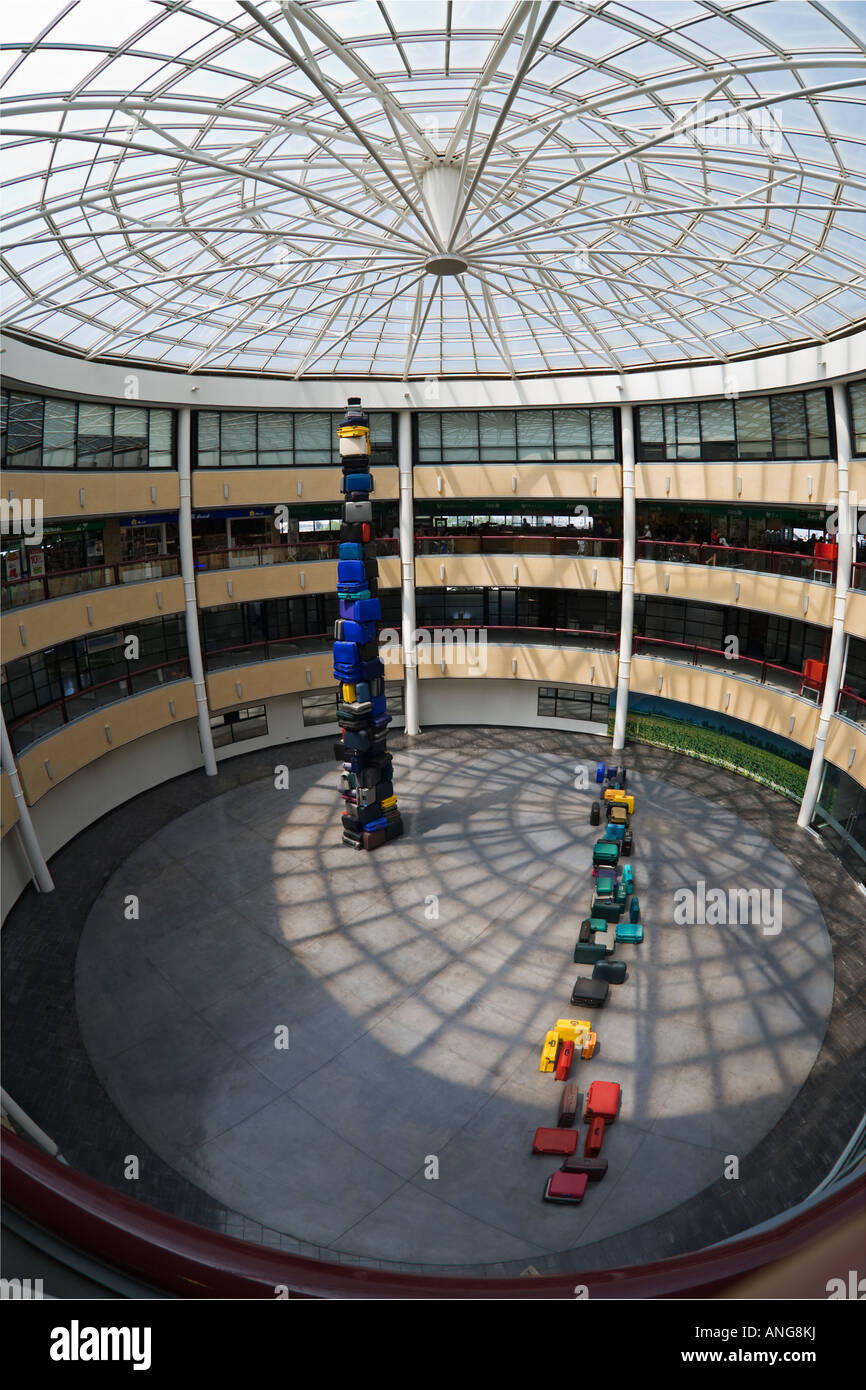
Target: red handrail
column 694, row 648
column 64, row 701
column 776, row 557
column 114, row 570
column 189, row 1261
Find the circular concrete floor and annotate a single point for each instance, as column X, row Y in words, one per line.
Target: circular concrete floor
column 415, row 985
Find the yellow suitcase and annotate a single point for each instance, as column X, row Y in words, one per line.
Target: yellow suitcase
column 352, row 431
column 349, row 696
column 549, row 1051
column 389, row 801
column 611, row 794
column 572, row 1029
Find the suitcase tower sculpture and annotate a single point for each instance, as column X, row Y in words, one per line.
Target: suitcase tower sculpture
column 370, row 815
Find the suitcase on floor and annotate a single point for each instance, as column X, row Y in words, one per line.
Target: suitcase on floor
column 602, row 907
column 614, row 971
column 612, row 771
column 588, row 952
column 554, row 1141
column 631, row 932
column 357, row 511
column 627, row 843
column 594, row 1139
column 588, row 1046
column 565, row 1188
column 585, row 930
column 569, row 1105
column 593, row 1169
column 634, row 910
column 603, row 1100
column 393, row 828
column 599, row 772
column 596, row 924
column 617, row 814
column 614, row 832
column 373, row 839
column 628, row 878
column 592, row 994
column 605, row 886
column 621, row 896
column 605, row 852
column 563, row 1063
column 595, row 813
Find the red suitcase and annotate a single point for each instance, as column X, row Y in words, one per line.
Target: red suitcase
column 555, row 1141
column 569, row 1106
column 563, row 1065
column 603, row 1101
column 594, row 1139
column 565, row 1187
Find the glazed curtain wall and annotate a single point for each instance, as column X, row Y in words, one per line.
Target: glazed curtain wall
column 796, row 425
column 49, row 432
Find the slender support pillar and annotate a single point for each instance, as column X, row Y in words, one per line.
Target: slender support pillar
column 407, row 571
column 844, row 560
column 187, row 569
column 626, row 625
column 30, row 844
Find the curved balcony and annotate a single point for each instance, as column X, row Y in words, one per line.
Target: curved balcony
column 741, row 667
column 68, row 709
column 789, row 563
column 21, row 593
column 512, row 542
column 247, row 573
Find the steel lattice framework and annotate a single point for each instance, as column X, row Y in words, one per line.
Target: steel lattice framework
column 417, row 188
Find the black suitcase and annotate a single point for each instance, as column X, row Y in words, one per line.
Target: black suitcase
column 595, row 813
column 590, row 994
column 351, row 825
column 585, row 931
column 627, row 843
column 614, row 971
column 394, row 829
column 351, row 533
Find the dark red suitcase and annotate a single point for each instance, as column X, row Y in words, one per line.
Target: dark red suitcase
column 594, row 1168
column 594, row 1139
column 565, row 1187
column 569, row 1106
column 374, row 838
column 554, row 1141
column 563, row 1065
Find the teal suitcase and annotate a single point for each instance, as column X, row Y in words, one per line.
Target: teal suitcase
column 629, row 931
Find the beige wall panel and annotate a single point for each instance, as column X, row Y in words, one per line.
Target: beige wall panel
column 104, row 493
column 770, row 593
column 717, row 482
column 258, row 487
column 8, row 808
column 841, row 738
column 855, row 613
column 83, row 741
column 536, row 480
column 60, row 619
column 754, row 703
column 548, row 665
column 533, row 571
column 857, row 481
column 267, row 679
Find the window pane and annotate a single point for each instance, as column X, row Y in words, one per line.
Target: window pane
column 312, row 438
column 717, row 420
column 497, row 434
column 24, row 442
column 788, row 414
column 381, row 437
column 572, row 432
column 857, row 395
column 817, row 424
column 535, row 435
column 59, row 445
column 238, row 436
column 275, row 431
column 208, row 439
column 94, row 435
column 160, row 430
column 684, row 420
column 429, row 439
column 753, row 428
column 602, row 434
column 460, row 436
column 651, row 424
column 130, row 437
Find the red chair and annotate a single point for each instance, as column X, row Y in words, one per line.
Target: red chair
column 824, row 567
column 814, row 676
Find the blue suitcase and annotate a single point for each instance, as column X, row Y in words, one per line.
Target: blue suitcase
column 371, row 670
column 367, row 610
column 351, row 572
column 350, row 551
column 599, row 772
column 634, row 910
column 379, row 824
column 346, row 654
column 357, row 482
column 356, row 632
column 614, row 832
column 379, row 706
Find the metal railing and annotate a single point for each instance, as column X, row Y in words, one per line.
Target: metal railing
column 522, row 543
column 49, row 718
column 268, row 649
column 310, row 550
column 783, row 562
column 752, row 668
column 61, row 583
column 851, row 706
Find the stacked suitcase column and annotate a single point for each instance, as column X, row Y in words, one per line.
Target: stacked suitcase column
column 370, row 814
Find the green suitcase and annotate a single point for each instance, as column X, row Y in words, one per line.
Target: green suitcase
column 588, row 952
column 610, row 911
column 606, row 853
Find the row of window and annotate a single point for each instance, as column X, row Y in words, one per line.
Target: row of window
column 46, row 432
column 584, row 702
column 62, row 672
column 795, row 425
column 281, row 438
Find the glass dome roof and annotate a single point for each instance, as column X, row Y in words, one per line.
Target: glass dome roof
column 417, row 188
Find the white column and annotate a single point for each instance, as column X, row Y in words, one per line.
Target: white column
column 407, row 571
column 844, row 560
column 35, row 858
column 187, row 569
column 626, row 624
